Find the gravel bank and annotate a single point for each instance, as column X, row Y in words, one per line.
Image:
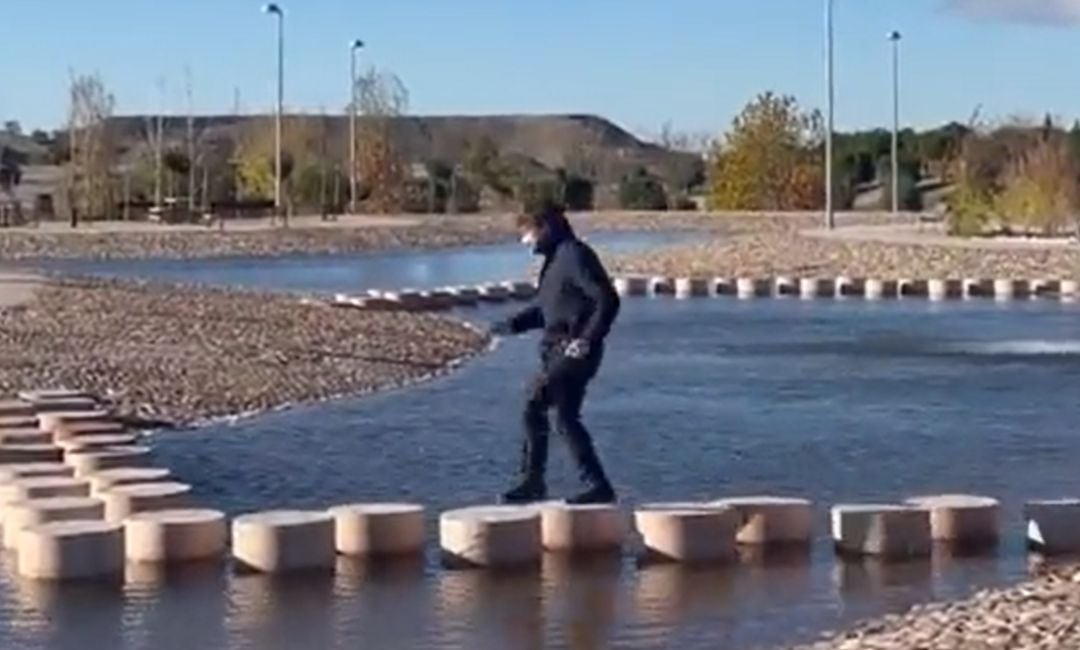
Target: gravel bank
column 314, row 238
column 1043, row 614
column 188, row 354
column 786, row 252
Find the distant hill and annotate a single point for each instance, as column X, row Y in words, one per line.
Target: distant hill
column 530, row 143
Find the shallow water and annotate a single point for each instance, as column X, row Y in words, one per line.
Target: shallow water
column 837, row 401
column 356, row 271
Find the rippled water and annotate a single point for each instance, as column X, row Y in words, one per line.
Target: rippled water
column 357, row 271
column 833, row 400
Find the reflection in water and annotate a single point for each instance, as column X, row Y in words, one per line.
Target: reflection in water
column 285, row 611
column 898, row 583
column 668, row 597
column 493, row 610
column 68, row 615
column 156, row 594
column 581, row 593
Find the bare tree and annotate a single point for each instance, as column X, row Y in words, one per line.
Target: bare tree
column 381, row 99
column 155, row 137
column 89, row 173
column 190, row 141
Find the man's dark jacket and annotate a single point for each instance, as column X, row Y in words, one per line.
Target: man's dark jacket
column 575, row 298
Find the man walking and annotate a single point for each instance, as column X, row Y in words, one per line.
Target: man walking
column 575, row 305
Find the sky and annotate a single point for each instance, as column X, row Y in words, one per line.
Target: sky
column 641, row 63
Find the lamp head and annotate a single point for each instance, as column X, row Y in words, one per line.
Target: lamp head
column 356, row 45
column 894, row 36
column 273, row 8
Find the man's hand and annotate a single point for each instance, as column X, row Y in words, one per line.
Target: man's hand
column 577, row 349
column 501, row 328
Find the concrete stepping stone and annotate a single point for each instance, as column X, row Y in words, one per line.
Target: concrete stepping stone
column 43, row 487
column 632, row 286
column 961, row 519
column 888, row 531
column 520, row 290
column 811, row 288
column 52, row 394
column 582, row 528
column 49, row 421
column 661, row 286
column 66, row 405
column 68, row 430
column 30, row 453
column 850, row 287
column 752, row 288
column 8, row 422
column 722, row 287
column 378, row 529
column 1053, row 526
column 1068, row 290
column 947, row 289
column 767, row 520
column 977, row 288
column 16, row 408
column 109, row 478
column 25, row 437
column 175, row 536
column 491, row 536
column 91, row 461
column 688, row 532
column 20, row 514
column 122, row 501
column 97, row 441
column 492, row 292
column 784, row 286
column 691, row 288
column 9, row 473
column 71, row 550
column 284, row 540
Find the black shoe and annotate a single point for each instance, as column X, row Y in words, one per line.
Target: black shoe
column 598, row 494
column 527, row 492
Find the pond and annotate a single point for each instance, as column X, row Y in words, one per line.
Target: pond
column 356, row 272
column 832, row 400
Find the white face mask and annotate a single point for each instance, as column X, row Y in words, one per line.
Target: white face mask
column 529, row 239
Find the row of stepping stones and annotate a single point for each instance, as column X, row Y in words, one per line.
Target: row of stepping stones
column 436, row 299
column 842, row 287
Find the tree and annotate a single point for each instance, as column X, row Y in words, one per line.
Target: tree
column 770, row 160
column 255, row 156
column 640, row 190
column 381, row 99
column 89, row 172
column 12, row 127
column 10, row 170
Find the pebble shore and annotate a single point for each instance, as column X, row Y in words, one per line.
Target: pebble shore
column 186, row 355
column 1042, row 614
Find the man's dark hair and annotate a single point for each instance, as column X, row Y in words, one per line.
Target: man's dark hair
column 544, row 212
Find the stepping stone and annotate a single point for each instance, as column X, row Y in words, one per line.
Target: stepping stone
column 8, row 422
column 284, row 540
column 91, row 461
column 784, row 286
column 97, row 441
column 492, row 293
column 175, row 536
column 582, row 528
column 962, row 519
column 688, row 532
column 632, row 286
column 691, row 287
column 722, row 287
column 109, row 478
column 20, row 514
column 71, row 550
column 1068, row 290
column 37, row 453
column 850, row 287
column 49, row 421
column 67, row 430
column 66, row 405
column 661, row 286
column 43, row 487
column 1053, row 527
column 9, row 473
column 25, row 437
column 378, row 529
column 491, row 536
column 977, row 288
column 810, row 288
column 52, row 394
column 889, row 531
column 121, row 501
column 520, row 290
column 752, row 288
column 937, row 289
column 16, row 408
column 766, row 520
column 911, row 288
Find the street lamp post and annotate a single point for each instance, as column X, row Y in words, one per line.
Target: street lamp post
column 895, row 38
column 830, row 97
column 276, row 10
column 354, row 47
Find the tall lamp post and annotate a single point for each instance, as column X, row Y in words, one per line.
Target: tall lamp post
column 895, row 37
column 830, row 220
column 354, row 48
column 276, row 10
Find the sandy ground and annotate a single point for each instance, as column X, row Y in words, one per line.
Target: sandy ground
column 18, row 288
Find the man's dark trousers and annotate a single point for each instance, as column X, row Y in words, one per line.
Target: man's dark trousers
column 561, row 386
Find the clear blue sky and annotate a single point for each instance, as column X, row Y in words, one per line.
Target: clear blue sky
column 639, row 62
